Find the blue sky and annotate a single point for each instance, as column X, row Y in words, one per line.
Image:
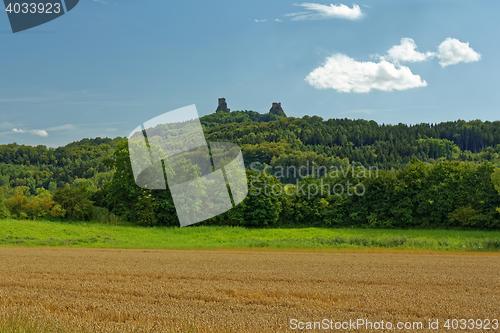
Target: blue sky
column 109, row 65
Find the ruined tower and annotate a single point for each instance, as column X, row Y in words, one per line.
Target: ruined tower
column 222, row 106
column 277, row 110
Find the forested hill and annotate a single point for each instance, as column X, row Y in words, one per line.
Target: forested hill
column 467, row 135
column 426, row 175
column 275, row 141
column 45, row 167
column 265, row 137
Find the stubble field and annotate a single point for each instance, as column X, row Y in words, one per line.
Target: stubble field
column 90, row 290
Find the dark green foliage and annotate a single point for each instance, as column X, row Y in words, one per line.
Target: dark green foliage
column 124, row 198
column 495, row 178
column 443, row 194
column 263, row 205
column 443, row 175
column 37, row 167
column 76, row 199
column 4, row 211
column 360, row 141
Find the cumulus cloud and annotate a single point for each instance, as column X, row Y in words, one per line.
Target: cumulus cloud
column 36, row 132
column 43, row 133
column 452, row 51
column 386, row 73
column 314, row 11
column 40, row 133
column 344, row 74
column 406, row 51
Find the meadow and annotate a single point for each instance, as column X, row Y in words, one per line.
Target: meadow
column 15, row 233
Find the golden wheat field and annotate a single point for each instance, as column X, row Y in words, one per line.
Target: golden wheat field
column 60, row 290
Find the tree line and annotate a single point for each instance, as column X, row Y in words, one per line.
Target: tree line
column 427, row 175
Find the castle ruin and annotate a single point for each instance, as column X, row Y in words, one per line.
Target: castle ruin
column 222, row 106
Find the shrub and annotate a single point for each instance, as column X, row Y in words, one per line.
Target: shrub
column 75, row 199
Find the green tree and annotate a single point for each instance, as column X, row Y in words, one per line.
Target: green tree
column 124, row 198
column 76, row 200
column 17, row 202
column 495, row 178
column 42, row 205
column 263, row 205
column 4, row 211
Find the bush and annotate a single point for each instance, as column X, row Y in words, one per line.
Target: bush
column 103, row 215
column 263, row 205
column 75, row 199
column 17, row 202
column 4, row 211
column 43, row 205
column 464, row 216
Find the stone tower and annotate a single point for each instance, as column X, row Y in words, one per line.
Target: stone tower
column 277, row 110
column 222, row 106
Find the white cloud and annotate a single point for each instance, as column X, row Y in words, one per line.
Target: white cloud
column 386, row 73
column 264, row 20
column 452, row 51
column 43, row 133
column 36, row 132
column 40, row 133
column 316, row 11
column 406, row 51
column 344, row 74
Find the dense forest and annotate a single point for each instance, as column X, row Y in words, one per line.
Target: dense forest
column 425, row 175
